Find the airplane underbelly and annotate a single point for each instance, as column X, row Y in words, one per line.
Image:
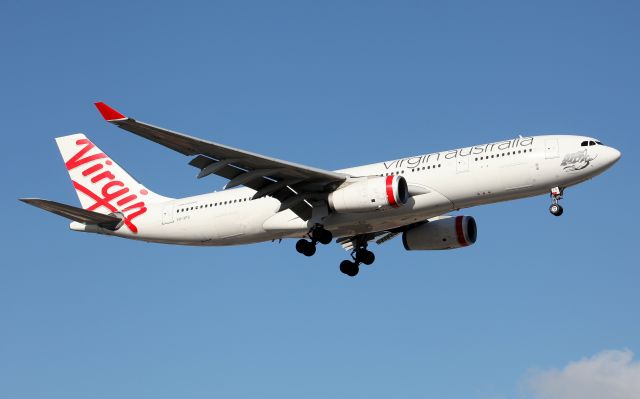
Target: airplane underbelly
column 228, row 226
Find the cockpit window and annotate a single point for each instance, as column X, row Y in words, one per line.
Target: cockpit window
column 599, row 143
column 584, row 143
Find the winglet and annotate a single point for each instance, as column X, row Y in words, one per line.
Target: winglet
column 109, row 114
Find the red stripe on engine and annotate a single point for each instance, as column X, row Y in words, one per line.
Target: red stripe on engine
column 460, row 231
column 390, row 197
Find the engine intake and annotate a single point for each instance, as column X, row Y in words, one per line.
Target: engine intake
column 447, row 232
column 370, row 194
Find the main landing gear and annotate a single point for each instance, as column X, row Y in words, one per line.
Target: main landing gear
column 360, row 255
column 317, row 234
column 556, row 196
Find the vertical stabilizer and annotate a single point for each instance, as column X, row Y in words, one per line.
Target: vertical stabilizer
column 101, row 184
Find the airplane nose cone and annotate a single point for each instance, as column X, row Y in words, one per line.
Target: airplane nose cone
column 615, row 155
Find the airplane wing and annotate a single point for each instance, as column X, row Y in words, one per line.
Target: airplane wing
column 76, row 214
column 291, row 183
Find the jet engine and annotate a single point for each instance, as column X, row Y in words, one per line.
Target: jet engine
column 370, row 194
column 447, row 232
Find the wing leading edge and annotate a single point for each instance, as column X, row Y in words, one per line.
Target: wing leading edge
column 291, row 183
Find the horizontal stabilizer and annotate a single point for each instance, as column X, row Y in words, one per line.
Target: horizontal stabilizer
column 76, row 214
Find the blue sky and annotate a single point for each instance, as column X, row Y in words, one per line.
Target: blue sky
column 328, row 84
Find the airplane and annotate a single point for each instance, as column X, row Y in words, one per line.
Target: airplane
column 409, row 197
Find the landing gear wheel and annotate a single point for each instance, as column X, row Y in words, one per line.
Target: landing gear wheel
column 349, row 268
column 307, row 248
column 556, row 209
column 556, row 196
column 323, row 236
column 365, row 256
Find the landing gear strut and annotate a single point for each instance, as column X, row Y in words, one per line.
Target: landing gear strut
column 360, row 255
column 556, row 196
column 318, row 234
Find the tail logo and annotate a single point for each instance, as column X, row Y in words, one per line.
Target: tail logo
column 106, row 190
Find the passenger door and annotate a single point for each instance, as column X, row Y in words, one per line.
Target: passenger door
column 462, row 164
column 167, row 214
column 551, row 149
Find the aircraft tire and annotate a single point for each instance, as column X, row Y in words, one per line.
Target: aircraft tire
column 349, row 268
column 305, row 247
column 365, row 256
column 556, row 209
column 323, row 236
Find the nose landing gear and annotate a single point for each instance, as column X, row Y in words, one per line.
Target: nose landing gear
column 556, row 195
column 318, row 234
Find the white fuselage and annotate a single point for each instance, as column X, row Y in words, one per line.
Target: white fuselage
column 441, row 182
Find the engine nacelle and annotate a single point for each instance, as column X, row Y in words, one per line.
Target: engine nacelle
column 448, row 232
column 370, row 194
